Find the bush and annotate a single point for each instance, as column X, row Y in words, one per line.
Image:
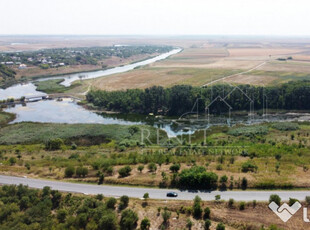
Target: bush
column 220, row 226
column 207, row 225
column 197, row 177
column 69, row 171
column 249, row 131
column 242, row 206
column 248, row 167
column 197, row 210
column 307, row 200
column 145, row 224
column 111, row 202
column 292, row 201
column 81, row 171
column 125, row 171
column 152, row 167
column 244, row 183
column 140, row 168
column 12, row 161
column 54, row 144
column 124, row 200
column 128, row 220
column 231, row 203
column 275, row 198
column 207, row 213
column 175, row 168
column 285, row 126
column 61, row 215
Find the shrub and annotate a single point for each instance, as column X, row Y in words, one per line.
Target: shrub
column 292, row 201
column 81, row 171
column 285, row 126
column 145, row 224
column 207, row 213
column 166, row 215
column 61, row 215
column 197, row 210
column 54, row 144
column 124, row 200
column 69, row 171
column 140, row 168
column 152, row 167
column 217, row 197
column 307, row 200
column 242, row 206
column 197, row 177
column 231, row 203
column 125, row 171
column 220, row 226
column 189, row 224
column 175, row 168
column 128, row 220
column 249, row 131
column 111, row 202
column 244, row 183
column 207, row 225
column 248, row 166
column 275, row 198
column 12, row 160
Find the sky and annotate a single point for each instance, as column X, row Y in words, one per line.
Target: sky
column 156, row 17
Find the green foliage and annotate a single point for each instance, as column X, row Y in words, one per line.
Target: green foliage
column 140, row 168
column 22, row 207
column 54, row 144
column 166, row 215
column 124, row 201
column 248, row 166
column 207, row 225
column 220, row 226
column 197, row 210
column 175, row 168
column 145, row 224
column 111, row 202
column 128, row 220
column 242, row 206
column 207, row 213
column 292, row 201
column 81, row 171
column 275, row 198
column 54, row 86
column 249, row 131
column 285, row 126
column 12, row 161
column 197, row 177
column 244, row 183
column 152, row 167
column 124, row 171
column 69, row 171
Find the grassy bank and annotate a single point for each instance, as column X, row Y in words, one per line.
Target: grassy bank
column 5, row 118
column 88, row 133
column 54, row 86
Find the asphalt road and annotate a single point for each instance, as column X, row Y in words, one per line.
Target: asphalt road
column 117, row 191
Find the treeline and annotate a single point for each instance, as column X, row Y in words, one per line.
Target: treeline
column 181, row 99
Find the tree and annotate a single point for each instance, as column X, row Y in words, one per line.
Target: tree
column 110, row 203
column 61, row 215
column 69, row 171
column 54, row 144
column 140, row 168
column 152, row 167
column 108, row 221
column 244, row 183
column 207, row 213
column 166, row 215
column 128, row 220
column 207, row 225
column 124, row 200
column 125, row 171
column 175, row 168
column 145, row 224
column 197, row 210
column 81, row 171
column 275, row 198
column 12, row 161
column 189, row 224
column 220, row 226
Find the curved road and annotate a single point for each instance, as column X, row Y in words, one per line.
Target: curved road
column 117, row 191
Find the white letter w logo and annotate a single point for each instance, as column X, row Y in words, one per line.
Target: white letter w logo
column 285, row 212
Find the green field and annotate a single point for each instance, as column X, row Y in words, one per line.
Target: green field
column 6, row 118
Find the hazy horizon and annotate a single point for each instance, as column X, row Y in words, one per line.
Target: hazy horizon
column 150, row 18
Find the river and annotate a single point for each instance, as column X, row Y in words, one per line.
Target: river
column 68, row 111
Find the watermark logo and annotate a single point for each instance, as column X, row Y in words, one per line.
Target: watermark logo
column 285, row 212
